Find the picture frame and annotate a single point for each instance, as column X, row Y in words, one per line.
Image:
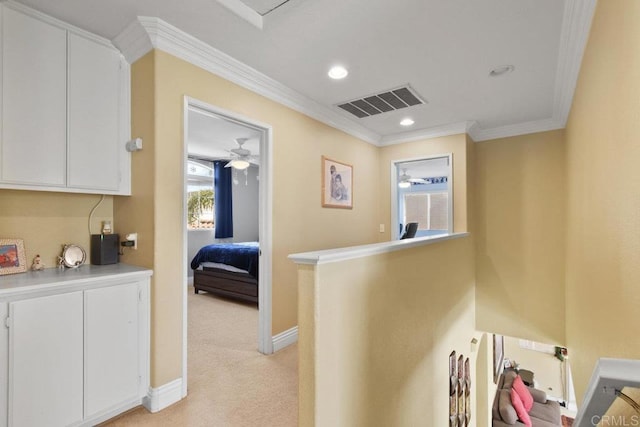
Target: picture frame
column 337, row 184
column 12, row 256
column 498, row 356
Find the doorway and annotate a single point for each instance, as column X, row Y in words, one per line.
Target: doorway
column 262, row 133
column 422, row 192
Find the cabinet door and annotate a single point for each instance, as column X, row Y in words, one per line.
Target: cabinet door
column 94, row 94
column 45, row 361
column 111, row 347
column 34, row 97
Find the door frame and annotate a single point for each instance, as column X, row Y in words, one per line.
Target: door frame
column 265, row 203
column 395, row 232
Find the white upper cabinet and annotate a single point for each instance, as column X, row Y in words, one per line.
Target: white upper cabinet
column 65, row 113
column 94, row 99
column 34, row 94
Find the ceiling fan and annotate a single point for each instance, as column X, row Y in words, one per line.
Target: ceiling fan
column 405, row 180
column 241, row 158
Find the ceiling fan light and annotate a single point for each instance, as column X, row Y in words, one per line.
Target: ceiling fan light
column 238, row 164
column 404, row 184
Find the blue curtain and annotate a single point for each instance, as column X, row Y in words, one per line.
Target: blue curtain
column 223, row 200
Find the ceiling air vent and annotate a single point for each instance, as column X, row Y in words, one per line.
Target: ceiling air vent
column 390, row 100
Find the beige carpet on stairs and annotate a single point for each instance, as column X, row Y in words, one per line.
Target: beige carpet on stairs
column 229, row 382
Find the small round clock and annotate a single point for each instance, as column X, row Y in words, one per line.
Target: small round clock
column 73, row 256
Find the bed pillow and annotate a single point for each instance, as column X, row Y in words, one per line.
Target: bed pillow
column 523, row 392
column 523, row 415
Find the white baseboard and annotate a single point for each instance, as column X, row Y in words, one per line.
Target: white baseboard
column 161, row 397
column 284, row 339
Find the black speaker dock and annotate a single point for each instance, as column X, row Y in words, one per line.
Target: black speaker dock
column 104, row 249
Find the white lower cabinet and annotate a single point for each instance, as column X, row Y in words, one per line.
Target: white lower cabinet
column 112, row 374
column 45, row 361
column 77, row 355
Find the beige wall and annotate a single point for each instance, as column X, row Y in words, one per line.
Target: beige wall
column 520, row 207
column 382, row 328
column 46, row 220
column 160, row 82
column 603, row 231
column 137, row 213
column 455, row 144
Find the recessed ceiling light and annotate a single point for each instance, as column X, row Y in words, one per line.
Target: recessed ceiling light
column 501, row 71
column 338, row 72
column 407, row 122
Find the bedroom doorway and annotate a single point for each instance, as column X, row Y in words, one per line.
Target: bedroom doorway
column 239, row 133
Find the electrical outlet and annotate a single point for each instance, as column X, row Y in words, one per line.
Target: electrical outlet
column 132, row 237
column 382, row 228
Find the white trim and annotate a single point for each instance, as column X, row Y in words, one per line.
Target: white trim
column 285, row 339
column 265, row 227
column 134, row 41
column 609, row 374
column 146, row 33
column 478, row 134
column 433, row 132
column 185, row 245
column 576, row 24
column 164, row 396
column 343, row 254
column 265, row 341
column 395, row 232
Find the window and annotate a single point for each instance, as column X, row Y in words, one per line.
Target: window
column 429, row 210
column 200, row 197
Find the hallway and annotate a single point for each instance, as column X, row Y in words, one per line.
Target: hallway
column 230, row 383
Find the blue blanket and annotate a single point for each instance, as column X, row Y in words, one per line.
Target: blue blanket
column 238, row 255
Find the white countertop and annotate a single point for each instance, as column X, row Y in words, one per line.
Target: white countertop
column 55, row 277
column 341, row 254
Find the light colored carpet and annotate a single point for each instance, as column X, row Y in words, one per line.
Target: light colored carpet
column 229, row 382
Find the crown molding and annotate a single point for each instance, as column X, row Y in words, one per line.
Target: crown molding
column 535, row 126
column 432, row 132
column 145, row 34
column 134, row 42
column 576, row 24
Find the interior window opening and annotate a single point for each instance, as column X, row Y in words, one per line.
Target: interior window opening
column 424, row 197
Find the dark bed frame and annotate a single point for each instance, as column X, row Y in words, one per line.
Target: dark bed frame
column 226, row 283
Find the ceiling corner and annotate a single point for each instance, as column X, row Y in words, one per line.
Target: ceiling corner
column 134, row 41
column 432, row 132
column 576, row 25
column 244, row 12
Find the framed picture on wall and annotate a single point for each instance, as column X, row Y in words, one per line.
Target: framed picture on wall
column 498, row 356
column 337, row 184
column 12, row 258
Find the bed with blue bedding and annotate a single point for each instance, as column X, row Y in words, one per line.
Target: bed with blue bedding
column 227, row 269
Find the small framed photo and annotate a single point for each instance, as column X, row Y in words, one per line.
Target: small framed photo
column 337, row 184
column 12, row 258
